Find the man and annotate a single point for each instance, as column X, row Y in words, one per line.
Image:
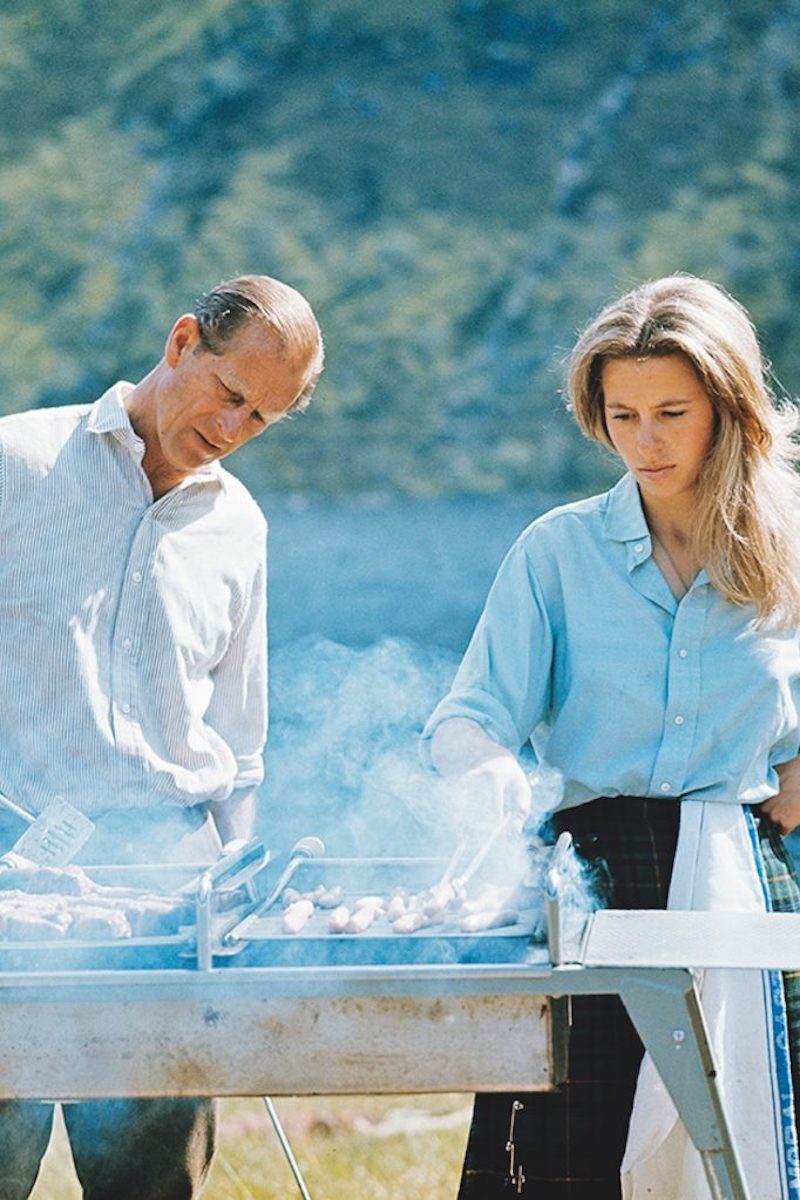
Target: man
column 133, row 672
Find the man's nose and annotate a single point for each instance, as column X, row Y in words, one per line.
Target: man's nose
column 230, row 423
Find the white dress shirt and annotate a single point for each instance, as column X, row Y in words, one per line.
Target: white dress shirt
column 133, row 663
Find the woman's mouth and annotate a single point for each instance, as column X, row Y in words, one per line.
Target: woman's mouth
column 653, row 472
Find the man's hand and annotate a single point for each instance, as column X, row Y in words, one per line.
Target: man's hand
column 465, row 755
column 784, row 809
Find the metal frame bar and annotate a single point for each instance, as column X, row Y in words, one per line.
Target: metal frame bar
column 662, row 1002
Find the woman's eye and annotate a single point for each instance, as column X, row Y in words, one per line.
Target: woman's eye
column 676, row 412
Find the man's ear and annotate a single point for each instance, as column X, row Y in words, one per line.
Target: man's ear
column 182, row 339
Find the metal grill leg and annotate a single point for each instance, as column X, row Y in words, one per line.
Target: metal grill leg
column 287, row 1149
column 669, row 1020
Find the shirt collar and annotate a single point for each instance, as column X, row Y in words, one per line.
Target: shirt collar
column 624, row 516
column 625, row 522
column 109, row 415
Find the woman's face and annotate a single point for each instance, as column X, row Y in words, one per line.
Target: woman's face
column 660, row 421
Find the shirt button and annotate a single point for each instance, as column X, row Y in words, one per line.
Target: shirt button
column 126, row 708
column 683, row 653
column 666, row 787
column 126, row 645
column 137, row 576
column 679, row 720
column 638, row 547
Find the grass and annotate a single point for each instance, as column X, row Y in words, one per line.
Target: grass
column 373, row 1147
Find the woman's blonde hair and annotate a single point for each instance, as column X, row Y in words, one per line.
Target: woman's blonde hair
column 746, row 531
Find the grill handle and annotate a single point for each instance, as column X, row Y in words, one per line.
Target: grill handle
column 307, row 847
column 229, row 871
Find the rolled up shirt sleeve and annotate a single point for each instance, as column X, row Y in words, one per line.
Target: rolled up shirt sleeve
column 503, row 682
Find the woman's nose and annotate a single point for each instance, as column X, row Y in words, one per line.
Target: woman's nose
column 647, row 435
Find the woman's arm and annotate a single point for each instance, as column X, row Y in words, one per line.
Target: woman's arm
column 784, row 809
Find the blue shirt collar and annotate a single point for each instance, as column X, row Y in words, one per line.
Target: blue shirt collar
column 624, row 516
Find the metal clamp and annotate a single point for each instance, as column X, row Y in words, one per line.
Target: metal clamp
column 305, row 848
column 229, row 871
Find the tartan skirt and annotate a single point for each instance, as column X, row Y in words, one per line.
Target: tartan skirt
column 570, row 1143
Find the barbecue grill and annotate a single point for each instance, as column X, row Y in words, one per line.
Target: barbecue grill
column 231, row 1005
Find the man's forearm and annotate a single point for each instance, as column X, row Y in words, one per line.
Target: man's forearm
column 235, row 817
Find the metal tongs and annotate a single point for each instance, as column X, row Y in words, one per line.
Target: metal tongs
column 451, row 885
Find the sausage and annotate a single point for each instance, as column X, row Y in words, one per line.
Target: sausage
column 490, row 898
column 439, row 898
column 337, row 921
column 363, row 917
column 396, row 907
column 327, row 897
column 496, row 918
column 297, row 915
column 410, row 922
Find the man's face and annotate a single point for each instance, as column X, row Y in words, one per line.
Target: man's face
column 208, row 405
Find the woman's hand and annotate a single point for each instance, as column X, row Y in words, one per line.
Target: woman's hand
column 784, row 809
column 501, row 783
column 489, row 773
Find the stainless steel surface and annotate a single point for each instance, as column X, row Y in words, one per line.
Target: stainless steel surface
column 285, row 1015
column 554, row 880
column 756, row 941
column 256, row 1022
column 257, row 1031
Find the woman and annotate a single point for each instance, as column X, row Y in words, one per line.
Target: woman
column 645, row 642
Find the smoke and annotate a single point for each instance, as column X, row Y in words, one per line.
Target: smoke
column 343, row 763
column 342, row 760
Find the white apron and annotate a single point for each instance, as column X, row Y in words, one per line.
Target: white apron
column 717, row 867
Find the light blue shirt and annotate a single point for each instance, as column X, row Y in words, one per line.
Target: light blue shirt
column 583, row 650
column 133, row 663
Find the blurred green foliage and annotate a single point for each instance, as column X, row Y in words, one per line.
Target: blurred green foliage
column 456, row 186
